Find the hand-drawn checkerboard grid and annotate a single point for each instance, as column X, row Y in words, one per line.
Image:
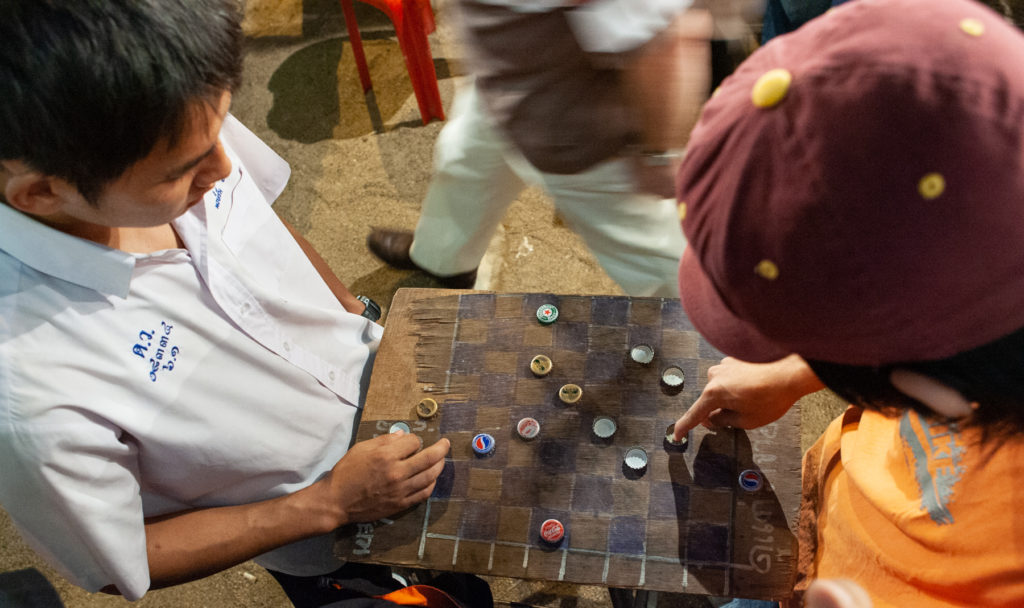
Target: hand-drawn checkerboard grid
column 668, row 529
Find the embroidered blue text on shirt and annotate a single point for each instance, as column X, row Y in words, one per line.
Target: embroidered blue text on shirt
column 164, row 356
column 218, row 193
column 937, row 465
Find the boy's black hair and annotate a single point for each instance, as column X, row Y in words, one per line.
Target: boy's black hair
column 89, row 87
column 991, row 375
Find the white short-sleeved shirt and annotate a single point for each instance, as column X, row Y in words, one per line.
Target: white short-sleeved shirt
column 608, row 26
column 138, row 385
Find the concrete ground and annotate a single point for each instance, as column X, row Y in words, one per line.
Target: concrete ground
column 359, row 162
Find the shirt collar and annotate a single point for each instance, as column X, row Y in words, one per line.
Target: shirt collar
column 63, row 256
column 108, row 270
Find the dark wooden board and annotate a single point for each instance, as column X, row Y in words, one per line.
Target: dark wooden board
column 683, row 525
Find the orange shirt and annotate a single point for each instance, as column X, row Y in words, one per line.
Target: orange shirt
column 919, row 514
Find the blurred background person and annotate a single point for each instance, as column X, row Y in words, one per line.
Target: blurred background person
column 591, row 100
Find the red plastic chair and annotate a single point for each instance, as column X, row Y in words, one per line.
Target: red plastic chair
column 413, row 20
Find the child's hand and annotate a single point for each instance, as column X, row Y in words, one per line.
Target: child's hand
column 836, row 593
column 749, row 395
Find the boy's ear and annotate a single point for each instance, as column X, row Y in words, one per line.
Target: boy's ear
column 942, row 399
column 31, row 191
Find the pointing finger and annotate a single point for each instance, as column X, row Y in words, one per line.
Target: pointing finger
column 697, row 414
column 725, row 419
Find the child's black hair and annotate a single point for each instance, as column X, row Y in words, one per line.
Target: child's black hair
column 991, row 375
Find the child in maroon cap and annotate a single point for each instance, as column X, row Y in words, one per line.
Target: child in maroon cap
column 854, row 202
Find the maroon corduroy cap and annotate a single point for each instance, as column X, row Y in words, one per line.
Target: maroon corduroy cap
column 854, row 193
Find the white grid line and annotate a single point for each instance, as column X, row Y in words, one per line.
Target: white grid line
column 579, row 551
column 423, row 535
column 643, row 566
column 732, row 522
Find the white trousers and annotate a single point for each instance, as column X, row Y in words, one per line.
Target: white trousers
column 478, row 173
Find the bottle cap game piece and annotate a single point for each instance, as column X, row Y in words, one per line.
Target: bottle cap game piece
column 670, row 437
column 547, row 314
column 399, row 426
column 540, row 365
column 636, row 459
column 570, row 393
column 483, row 444
column 552, row 531
column 426, row 408
column 604, row 427
column 642, row 354
column 751, row 480
column 673, row 376
column 528, row 428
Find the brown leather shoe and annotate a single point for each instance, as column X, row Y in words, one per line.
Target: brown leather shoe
column 392, row 247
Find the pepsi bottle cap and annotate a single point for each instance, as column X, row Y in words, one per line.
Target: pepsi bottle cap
column 483, row 444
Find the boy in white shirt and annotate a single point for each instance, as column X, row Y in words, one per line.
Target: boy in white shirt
column 180, row 373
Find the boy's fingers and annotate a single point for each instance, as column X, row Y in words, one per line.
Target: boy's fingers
column 428, row 457
column 438, row 450
column 404, row 444
column 421, row 495
column 400, row 445
column 424, row 479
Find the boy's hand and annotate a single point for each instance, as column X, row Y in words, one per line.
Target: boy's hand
column 376, row 478
column 383, row 476
column 749, row 395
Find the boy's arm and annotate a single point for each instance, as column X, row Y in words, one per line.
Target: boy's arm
column 376, row 478
column 662, row 50
column 666, row 82
column 749, row 395
column 338, row 288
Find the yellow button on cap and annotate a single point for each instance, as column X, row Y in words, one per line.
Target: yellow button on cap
column 767, row 269
column 682, row 211
column 931, row 186
column 771, row 88
column 972, row 27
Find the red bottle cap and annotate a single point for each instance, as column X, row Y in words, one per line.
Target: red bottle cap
column 552, row 530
